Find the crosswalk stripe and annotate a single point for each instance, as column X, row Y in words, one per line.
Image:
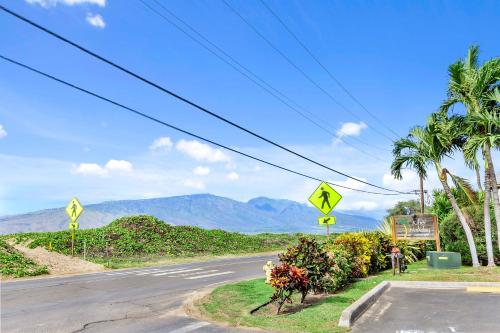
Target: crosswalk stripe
column 172, row 270
column 207, row 275
column 195, row 273
column 175, row 272
column 191, row 327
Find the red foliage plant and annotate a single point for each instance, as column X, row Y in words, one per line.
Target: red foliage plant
column 287, row 279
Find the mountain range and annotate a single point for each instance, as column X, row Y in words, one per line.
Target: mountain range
column 203, row 210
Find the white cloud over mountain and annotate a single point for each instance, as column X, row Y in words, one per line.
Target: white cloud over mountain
column 201, row 171
column 162, row 144
column 201, row 152
column 97, row 170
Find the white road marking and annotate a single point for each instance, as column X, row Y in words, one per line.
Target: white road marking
column 207, row 275
column 175, row 272
column 190, row 327
column 452, row 329
column 383, row 310
column 195, row 273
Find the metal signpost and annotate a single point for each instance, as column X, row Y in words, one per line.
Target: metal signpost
column 325, row 198
column 416, row 227
column 73, row 209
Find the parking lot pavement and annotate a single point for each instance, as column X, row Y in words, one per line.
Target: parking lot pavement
column 413, row 310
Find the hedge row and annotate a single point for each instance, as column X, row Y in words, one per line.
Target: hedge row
column 328, row 267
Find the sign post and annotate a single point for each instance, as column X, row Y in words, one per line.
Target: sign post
column 416, row 227
column 73, row 209
column 325, row 198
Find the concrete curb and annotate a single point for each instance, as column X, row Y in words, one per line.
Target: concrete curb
column 356, row 309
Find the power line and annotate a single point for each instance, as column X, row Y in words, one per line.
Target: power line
column 326, row 69
column 300, row 70
column 144, row 115
column 187, row 101
column 250, row 75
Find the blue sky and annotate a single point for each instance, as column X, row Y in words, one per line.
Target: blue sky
column 56, row 143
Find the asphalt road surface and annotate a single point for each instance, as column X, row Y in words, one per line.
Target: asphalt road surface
column 132, row 300
column 407, row 310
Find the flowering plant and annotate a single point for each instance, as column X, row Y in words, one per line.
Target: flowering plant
column 287, row 279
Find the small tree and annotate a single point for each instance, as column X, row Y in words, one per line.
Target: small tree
column 287, row 279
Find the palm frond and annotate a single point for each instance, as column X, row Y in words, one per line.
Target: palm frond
column 464, row 186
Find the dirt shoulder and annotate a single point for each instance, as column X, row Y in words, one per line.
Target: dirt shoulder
column 58, row 264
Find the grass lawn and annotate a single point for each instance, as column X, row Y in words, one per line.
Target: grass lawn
column 232, row 303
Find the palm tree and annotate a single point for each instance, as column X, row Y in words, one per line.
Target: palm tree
column 484, row 131
column 477, row 88
column 426, row 146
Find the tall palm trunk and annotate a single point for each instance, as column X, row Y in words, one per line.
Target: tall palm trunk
column 494, row 190
column 468, row 233
column 478, row 178
column 487, row 218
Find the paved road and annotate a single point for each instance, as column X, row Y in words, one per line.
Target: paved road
column 134, row 300
column 407, row 310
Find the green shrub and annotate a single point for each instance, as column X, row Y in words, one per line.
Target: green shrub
column 143, row 236
column 453, row 236
column 340, row 275
column 381, row 245
column 14, row 263
column 308, row 254
column 359, row 250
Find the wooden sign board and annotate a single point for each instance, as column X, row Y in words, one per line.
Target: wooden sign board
column 415, row 227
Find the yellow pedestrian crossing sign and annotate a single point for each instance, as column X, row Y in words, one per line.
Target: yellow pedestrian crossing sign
column 74, row 209
column 326, row 220
column 325, row 198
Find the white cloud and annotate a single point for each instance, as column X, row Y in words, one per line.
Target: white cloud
column 3, row 132
column 201, row 171
column 96, row 20
column 90, row 169
column 201, row 152
column 97, row 170
column 360, row 205
column 232, row 176
column 119, row 165
column 410, row 180
column 164, row 143
column 196, row 184
column 351, row 129
column 352, row 183
column 53, row 3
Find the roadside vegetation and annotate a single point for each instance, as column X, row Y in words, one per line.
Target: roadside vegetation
column 14, row 264
column 472, row 131
column 232, row 303
column 141, row 240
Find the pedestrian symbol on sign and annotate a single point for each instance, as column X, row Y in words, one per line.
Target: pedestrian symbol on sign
column 326, row 198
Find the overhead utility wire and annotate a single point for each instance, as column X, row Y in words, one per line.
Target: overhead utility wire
column 243, row 70
column 187, row 101
column 300, row 70
column 277, row 17
column 144, row 115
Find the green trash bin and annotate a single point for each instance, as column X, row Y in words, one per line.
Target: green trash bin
column 443, row 260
